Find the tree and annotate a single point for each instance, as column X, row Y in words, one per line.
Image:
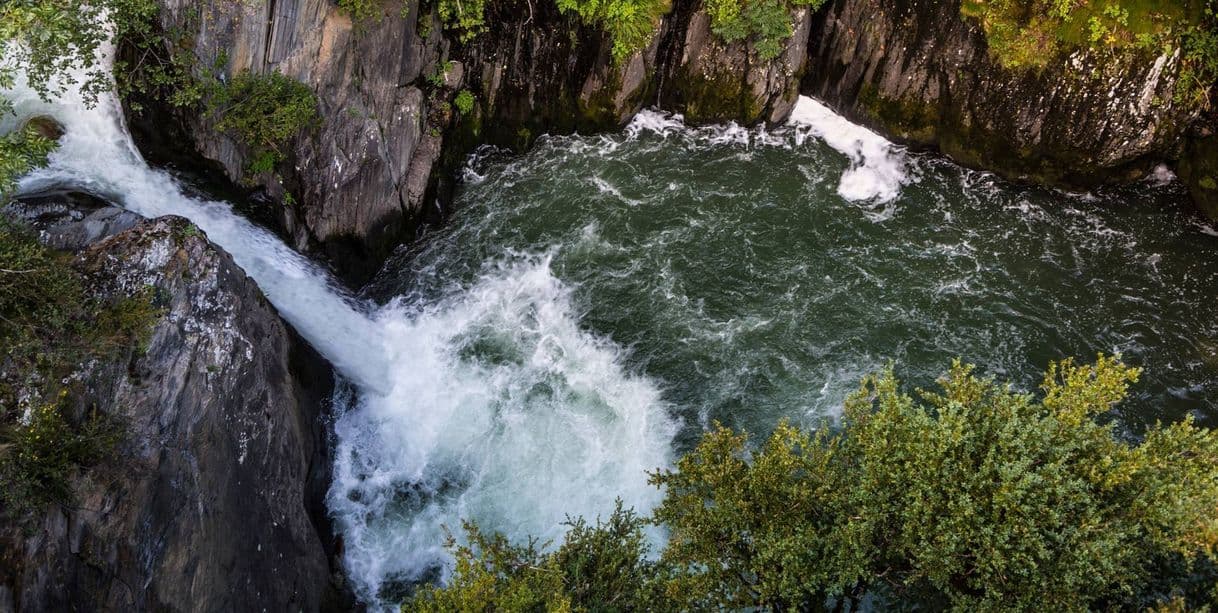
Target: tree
column 972, row 497
column 979, row 495
column 601, row 567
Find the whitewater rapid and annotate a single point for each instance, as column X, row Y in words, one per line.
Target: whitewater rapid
column 490, row 403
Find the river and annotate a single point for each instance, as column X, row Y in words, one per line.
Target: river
column 596, row 302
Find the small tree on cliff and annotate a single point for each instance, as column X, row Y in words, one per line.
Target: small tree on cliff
column 973, row 497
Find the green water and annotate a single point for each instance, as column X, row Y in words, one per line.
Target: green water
column 737, row 278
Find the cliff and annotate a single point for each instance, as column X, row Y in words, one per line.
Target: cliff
column 212, row 499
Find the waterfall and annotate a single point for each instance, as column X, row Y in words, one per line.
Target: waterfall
column 430, row 431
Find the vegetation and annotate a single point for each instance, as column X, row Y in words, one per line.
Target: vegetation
column 264, row 112
column 464, row 101
column 1023, row 34
column 766, row 22
column 630, row 23
column 972, row 497
column 360, row 9
column 21, row 151
column 49, row 326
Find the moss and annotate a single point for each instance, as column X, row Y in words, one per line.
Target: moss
column 720, row 96
column 908, row 119
column 1025, row 34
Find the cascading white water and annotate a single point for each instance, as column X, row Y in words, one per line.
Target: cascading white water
column 554, row 427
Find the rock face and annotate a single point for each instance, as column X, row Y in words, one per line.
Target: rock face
column 364, row 179
column 214, row 499
column 918, row 70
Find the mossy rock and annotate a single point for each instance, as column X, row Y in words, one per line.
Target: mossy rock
column 716, row 97
column 1199, row 170
column 906, row 119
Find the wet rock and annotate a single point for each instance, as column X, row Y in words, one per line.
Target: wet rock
column 45, row 126
column 1199, row 169
column 70, row 221
column 212, row 500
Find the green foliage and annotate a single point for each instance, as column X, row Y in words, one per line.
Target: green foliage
column 440, row 76
column 971, row 497
column 467, row 18
column 49, row 325
column 360, row 9
column 264, row 112
column 600, row 567
column 50, row 38
column 766, row 22
column 165, row 68
column 978, row 495
column 1023, row 34
column 630, row 23
column 42, row 454
column 20, row 152
column 464, row 101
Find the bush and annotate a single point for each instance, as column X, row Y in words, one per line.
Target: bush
column 972, row 497
column 20, row 152
column 630, row 23
column 766, row 22
column 464, row 101
column 601, row 567
column 263, row 112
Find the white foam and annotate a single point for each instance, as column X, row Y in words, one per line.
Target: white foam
column 503, row 411
column 878, row 168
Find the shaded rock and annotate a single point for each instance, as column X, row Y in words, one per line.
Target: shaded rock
column 210, row 503
column 716, row 81
column 70, row 221
column 1199, row 169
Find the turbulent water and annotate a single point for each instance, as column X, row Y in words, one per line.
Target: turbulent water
column 596, row 302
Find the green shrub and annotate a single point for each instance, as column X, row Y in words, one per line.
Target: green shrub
column 467, row 18
column 601, row 567
column 263, row 112
column 464, row 101
column 360, row 9
column 630, row 23
column 972, row 497
column 766, row 22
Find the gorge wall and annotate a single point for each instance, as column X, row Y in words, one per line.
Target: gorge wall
column 390, row 139
column 213, row 499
